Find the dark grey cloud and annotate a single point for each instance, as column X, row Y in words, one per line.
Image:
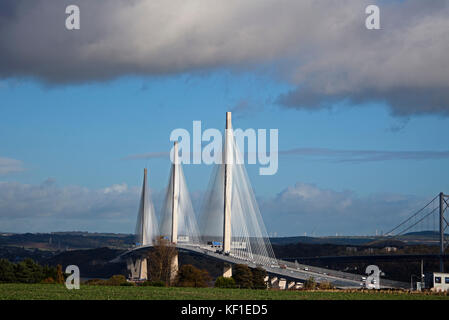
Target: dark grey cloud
column 321, row 48
column 356, row 156
column 403, row 101
column 245, row 108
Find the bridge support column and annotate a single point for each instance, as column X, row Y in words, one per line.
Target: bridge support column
column 228, row 159
column 174, row 268
column 227, row 270
column 273, row 282
column 137, row 270
column 282, row 284
column 143, row 269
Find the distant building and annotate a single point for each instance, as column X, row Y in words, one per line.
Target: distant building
column 437, row 281
column 390, row 249
column 351, row 249
column 183, row 238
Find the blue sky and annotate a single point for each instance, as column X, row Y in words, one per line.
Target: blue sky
column 62, row 132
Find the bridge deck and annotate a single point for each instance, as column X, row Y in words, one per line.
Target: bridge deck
column 291, row 271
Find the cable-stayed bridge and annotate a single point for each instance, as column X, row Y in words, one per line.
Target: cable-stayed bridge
column 231, row 229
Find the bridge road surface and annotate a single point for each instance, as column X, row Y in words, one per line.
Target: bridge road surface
column 293, row 272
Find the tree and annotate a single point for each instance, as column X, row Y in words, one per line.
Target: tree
column 28, row 271
column 49, row 272
column 59, row 275
column 243, row 276
column 6, row 271
column 310, row 284
column 223, row 282
column 36, row 270
column 259, row 275
column 160, row 260
column 326, row 285
column 189, row 276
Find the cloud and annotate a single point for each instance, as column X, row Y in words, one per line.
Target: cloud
column 296, row 209
column 8, row 165
column 311, row 209
column 49, row 207
column 245, row 108
column 321, row 48
column 358, row 156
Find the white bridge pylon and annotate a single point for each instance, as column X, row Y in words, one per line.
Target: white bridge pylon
column 231, row 223
column 230, row 215
column 146, row 231
column 178, row 221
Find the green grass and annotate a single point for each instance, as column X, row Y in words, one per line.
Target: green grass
column 59, row 292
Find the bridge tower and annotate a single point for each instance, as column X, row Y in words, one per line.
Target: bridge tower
column 443, row 225
column 138, row 270
column 175, row 202
column 228, row 161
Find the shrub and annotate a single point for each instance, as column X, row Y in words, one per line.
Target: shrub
column 116, row 280
column 127, row 284
column 95, row 282
column 49, row 280
column 326, row 285
column 223, row 282
column 259, row 275
column 189, row 276
column 243, row 276
column 158, row 283
column 310, row 284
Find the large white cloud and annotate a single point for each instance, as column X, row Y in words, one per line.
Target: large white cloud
column 320, row 47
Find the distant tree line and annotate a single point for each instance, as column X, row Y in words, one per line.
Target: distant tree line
column 28, row 271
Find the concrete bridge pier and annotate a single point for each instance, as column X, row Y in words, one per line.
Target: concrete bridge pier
column 227, row 270
column 138, row 269
column 282, row 284
column 274, row 282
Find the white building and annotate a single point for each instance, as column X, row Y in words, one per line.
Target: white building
column 437, row 281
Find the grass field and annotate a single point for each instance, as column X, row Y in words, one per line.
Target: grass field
column 59, row 292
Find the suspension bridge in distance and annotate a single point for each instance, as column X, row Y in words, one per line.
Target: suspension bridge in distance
column 231, row 228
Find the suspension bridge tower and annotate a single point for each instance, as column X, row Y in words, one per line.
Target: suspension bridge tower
column 443, row 225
